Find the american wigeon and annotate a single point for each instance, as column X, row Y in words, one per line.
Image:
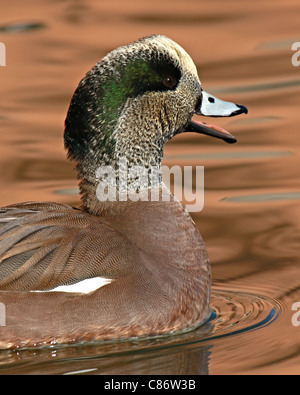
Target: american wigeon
column 150, row 254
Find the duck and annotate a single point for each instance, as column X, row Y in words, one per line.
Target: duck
column 118, row 268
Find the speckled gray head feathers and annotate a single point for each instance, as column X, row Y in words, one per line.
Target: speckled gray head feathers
column 131, row 102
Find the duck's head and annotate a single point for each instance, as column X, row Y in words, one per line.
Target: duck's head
column 136, row 99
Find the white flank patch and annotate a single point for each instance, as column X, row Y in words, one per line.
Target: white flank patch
column 85, row 286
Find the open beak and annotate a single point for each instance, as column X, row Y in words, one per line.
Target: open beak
column 211, row 106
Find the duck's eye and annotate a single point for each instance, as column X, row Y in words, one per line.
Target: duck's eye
column 170, row 81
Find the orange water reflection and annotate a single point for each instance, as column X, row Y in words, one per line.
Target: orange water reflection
column 251, row 219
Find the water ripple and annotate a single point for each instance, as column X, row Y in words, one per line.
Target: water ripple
column 21, row 27
column 257, row 87
column 234, row 314
column 238, row 312
column 264, row 197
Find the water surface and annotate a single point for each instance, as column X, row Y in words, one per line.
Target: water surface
column 251, row 218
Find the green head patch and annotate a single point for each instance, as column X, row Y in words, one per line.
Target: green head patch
column 99, row 99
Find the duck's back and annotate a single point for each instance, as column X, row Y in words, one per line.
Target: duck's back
column 45, row 245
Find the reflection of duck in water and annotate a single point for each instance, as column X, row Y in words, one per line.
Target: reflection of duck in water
column 129, row 105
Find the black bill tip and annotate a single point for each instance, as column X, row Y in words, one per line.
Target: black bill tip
column 242, row 110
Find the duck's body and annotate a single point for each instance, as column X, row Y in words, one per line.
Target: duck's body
column 151, row 251
column 160, row 282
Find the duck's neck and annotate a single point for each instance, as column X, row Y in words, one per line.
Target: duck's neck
column 129, row 160
column 98, row 194
column 128, row 173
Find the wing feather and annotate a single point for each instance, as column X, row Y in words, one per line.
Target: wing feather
column 45, row 245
